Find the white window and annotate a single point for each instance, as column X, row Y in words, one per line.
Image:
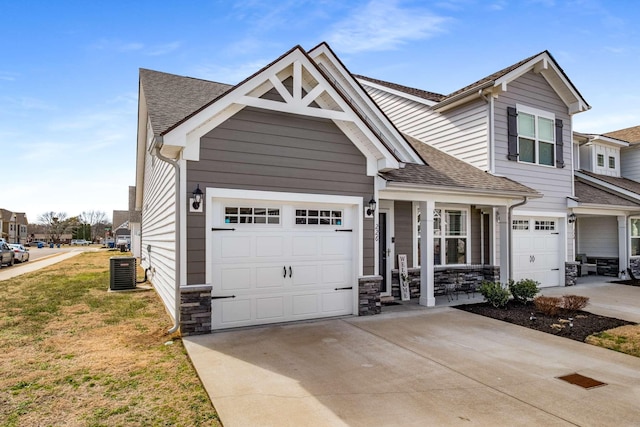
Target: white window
column 601, row 160
column 318, row 217
column 536, row 136
column 251, row 215
column 451, row 236
column 612, row 162
column 520, row 224
column 545, row 225
column 635, row 236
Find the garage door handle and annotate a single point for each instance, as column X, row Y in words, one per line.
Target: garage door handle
column 284, row 268
column 290, row 271
column 555, row 269
column 343, row 289
column 230, row 296
column 346, row 231
column 223, row 229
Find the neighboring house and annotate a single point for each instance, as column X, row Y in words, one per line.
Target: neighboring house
column 515, row 123
column 607, row 200
column 13, row 226
column 287, row 162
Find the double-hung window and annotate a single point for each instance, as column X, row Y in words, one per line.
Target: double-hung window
column 536, row 136
column 450, row 236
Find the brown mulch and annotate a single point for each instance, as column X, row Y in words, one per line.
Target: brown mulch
column 579, row 328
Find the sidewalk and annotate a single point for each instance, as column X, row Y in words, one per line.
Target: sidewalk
column 18, row 269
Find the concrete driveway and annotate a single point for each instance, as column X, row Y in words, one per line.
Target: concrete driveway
column 436, row 366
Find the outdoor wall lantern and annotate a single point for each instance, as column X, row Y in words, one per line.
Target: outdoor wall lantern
column 197, row 198
column 571, row 218
column 372, row 207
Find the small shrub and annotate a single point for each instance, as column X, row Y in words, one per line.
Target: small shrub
column 573, row 303
column 523, row 290
column 548, row 305
column 494, row 293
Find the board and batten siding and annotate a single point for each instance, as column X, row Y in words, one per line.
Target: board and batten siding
column 462, row 133
column 403, row 231
column 264, row 150
column 532, row 90
column 158, row 228
column 598, row 236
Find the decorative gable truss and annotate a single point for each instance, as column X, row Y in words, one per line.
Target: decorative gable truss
column 292, row 84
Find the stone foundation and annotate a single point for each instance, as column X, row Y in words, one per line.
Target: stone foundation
column 570, row 273
column 467, row 277
column 369, row 295
column 195, row 310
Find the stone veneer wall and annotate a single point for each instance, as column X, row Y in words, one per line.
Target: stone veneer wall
column 467, row 276
column 369, row 295
column 634, row 265
column 570, row 273
column 195, row 310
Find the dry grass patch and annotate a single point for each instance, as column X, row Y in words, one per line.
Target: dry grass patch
column 625, row 339
column 75, row 355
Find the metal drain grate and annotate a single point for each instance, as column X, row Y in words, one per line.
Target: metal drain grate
column 582, row 381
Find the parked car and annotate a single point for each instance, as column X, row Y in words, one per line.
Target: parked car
column 21, row 253
column 7, row 256
column 80, row 242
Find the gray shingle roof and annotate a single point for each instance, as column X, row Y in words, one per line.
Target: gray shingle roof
column 430, row 96
column 624, row 183
column 586, row 192
column 444, row 170
column 171, row 98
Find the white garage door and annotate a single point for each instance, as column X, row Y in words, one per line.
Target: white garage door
column 275, row 262
column 536, row 250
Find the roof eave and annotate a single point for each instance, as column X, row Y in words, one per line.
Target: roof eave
column 463, row 97
column 505, row 194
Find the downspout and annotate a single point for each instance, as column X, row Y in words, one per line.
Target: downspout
column 490, row 146
column 176, row 168
column 510, row 232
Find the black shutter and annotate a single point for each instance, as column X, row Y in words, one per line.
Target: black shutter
column 512, row 133
column 559, row 144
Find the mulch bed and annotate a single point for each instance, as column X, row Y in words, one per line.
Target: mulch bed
column 584, row 323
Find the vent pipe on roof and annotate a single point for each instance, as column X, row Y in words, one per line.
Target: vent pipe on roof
column 157, row 145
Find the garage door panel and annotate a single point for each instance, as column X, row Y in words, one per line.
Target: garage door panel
column 335, row 302
column 304, row 275
column 270, row 276
column 270, row 246
column 235, row 247
column 270, row 308
column 338, row 244
column 335, row 273
column 233, row 311
column 536, row 253
column 304, row 246
column 306, row 304
column 235, row 278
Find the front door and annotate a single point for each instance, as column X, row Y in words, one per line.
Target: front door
column 382, row 251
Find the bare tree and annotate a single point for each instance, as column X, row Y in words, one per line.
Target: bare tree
column 96, row 219
column 56, row 223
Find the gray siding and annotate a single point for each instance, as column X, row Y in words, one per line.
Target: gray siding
column 533, row 90
column 403, row 230
column 630, row 163
column 270, row 151
column 158, row 228
column 462, row 133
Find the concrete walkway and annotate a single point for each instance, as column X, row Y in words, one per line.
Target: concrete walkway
column 7, row 273
column 437, row 366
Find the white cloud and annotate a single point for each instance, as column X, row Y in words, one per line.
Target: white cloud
column 384, row 25
column 8, row 76
column 124, row 47
column 163, row 49
column 229, row 74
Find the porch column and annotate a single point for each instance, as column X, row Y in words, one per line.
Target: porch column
column 623, row 246
column 427, row 297
column 505, row 250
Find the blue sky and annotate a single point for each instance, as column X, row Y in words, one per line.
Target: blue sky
column 69, row 69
